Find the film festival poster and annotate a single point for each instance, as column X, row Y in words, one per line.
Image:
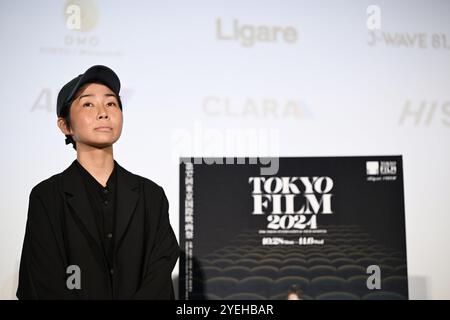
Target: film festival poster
column 321, row 227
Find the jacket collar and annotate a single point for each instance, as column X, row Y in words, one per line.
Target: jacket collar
column 127, row 196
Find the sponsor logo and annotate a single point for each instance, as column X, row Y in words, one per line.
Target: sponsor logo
column 381, row 170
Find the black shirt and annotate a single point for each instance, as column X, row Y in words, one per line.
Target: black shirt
column 103, row 200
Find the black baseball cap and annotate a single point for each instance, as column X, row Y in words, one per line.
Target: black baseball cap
column 95, row 74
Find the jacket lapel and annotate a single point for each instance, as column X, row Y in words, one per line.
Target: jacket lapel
column 126, row 200
column 78, row 201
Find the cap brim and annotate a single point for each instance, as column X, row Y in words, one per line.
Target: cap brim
column 100, row 74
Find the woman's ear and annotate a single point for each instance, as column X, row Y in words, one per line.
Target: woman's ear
column 62, row 124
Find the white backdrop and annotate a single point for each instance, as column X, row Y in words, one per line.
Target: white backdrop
column 214, row 78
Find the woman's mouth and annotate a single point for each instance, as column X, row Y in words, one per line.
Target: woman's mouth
column 103, row 128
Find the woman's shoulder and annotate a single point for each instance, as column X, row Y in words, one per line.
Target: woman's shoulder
column 51, row 184
column 148, row 183
column 46, row 186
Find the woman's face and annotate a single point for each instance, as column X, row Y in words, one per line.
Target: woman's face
column 95, row 116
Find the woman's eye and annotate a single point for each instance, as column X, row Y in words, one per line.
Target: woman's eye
column 87, row 104
column 111, row 104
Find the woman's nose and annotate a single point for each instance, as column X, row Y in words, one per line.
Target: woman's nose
column 103, row 113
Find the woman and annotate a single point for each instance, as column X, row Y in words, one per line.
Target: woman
column 96, row 230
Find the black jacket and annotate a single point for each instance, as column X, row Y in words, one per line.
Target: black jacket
column 61, row 231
